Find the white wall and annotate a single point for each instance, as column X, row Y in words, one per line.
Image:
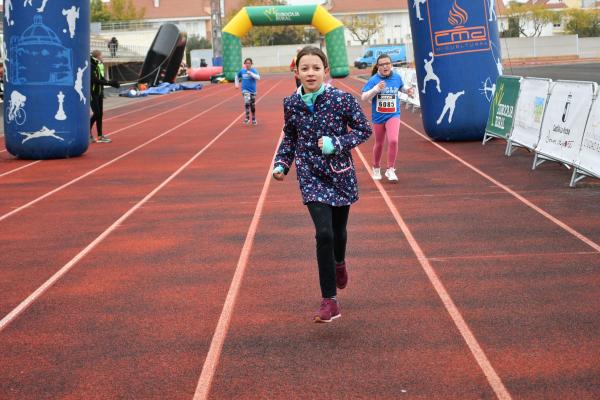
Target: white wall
column 132, row 38
column 145, row 37
column 568, row 45
column 275, row 56
column 589, row 47
column 549, row 46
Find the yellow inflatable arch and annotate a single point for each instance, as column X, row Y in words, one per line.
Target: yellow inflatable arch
column 314, row 15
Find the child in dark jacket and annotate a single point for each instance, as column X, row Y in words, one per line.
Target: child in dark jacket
column 316, row 135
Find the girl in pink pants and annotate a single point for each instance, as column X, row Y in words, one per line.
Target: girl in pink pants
column 382, row 90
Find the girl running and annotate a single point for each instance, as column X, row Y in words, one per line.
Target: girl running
column 382, row 90
column 249, row 76
column 316, row 135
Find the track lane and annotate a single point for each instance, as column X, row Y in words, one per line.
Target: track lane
column 521, row 280
column 522, row 310
column 44, row 181
column 115, row 187
column 394, row 339
column 184, row 273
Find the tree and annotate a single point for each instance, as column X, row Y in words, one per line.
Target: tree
column 585, row 23
column 363, row 27
column 535, row 16
column 196, row 42
column 99, row 12
column 124, row 10
column 513, row 28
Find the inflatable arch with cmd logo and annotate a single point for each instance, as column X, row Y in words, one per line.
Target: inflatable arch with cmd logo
column 457, row 58
column 314, row 15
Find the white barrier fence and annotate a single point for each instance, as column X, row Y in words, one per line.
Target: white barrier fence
column 559, row 121
column 529, row 112
column 588, row 159
column 564, row 122
column 409, row 77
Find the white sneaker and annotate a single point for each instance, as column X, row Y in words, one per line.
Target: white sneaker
column 376, row 174
column 391, row 175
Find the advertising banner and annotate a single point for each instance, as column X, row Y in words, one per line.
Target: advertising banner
column 530, row 111
column 503, row 106
column 46, row 78
column 564, row 121
column 281, row 15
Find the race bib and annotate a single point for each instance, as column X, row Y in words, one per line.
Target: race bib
column 386, row 103
column 247, row 97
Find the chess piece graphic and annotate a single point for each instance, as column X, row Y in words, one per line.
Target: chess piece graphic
column 60, row 114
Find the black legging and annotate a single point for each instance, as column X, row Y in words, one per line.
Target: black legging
column 330, row 226
column 250, row 105
column 97, row 104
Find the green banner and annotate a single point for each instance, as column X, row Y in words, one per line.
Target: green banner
column 281, row 15
column 503, row 107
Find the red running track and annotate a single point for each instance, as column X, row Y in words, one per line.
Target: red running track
column 168, row 265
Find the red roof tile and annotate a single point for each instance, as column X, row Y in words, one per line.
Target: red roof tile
column 349, row 6
column 171, row 9
column 181, row 8
column 546, row 4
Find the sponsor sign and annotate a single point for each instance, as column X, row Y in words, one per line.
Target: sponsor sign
column 281, row 15
column 530, row 111
column 503, row 107
column 564, row 120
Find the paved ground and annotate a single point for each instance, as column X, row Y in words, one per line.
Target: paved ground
column 168, row 264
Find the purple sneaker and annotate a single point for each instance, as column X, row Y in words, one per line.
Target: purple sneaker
column 341, row 275
column 329, row 310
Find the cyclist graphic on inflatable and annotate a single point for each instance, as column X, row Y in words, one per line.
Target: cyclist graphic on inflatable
column 16, row 110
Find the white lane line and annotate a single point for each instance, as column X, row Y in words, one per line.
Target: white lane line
column 537, row 256
column 112, row 133
column 519, row 197
column 11, row 316
column 48, row 194
column 462, row 326
column 522, row 199
column 153, row 103
column 218, row 339
column 20, row 168
column 485, row 365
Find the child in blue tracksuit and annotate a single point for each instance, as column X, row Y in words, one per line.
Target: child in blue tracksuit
column 316, row 136
column 248, row 76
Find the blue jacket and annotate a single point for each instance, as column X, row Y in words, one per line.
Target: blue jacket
column 328, row 179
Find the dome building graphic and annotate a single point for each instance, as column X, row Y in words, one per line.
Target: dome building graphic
column 39, row 46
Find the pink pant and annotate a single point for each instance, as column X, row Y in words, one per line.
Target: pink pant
column 390, row 130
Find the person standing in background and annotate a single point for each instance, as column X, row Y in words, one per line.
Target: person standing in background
column 97, row 76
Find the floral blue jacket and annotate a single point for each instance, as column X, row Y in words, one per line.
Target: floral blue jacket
column 328, row 179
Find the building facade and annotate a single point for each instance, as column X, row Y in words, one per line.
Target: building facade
column 193, row 17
